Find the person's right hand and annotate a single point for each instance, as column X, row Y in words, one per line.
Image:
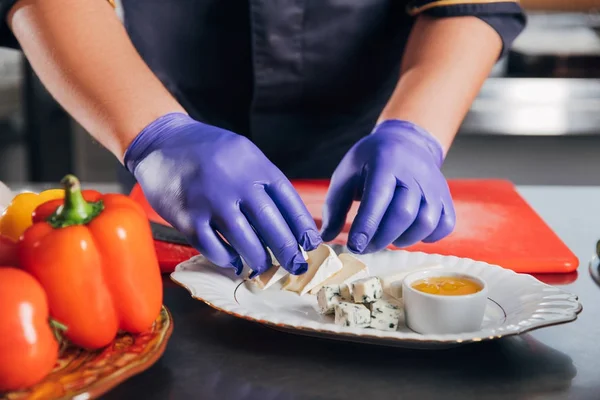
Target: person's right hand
column 212, row 184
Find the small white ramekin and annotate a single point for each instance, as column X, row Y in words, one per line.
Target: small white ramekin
column 435, row 314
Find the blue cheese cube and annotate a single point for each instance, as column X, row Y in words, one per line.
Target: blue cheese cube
column 385, row 322
column 327, row 297
column 384, row 306
column 354, row 315
column 367, row 290
column 384, row 315
column 346, row 292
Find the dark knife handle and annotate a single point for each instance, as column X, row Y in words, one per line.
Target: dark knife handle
column 168, row 234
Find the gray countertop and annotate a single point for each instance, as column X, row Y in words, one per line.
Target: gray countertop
column 215, row 356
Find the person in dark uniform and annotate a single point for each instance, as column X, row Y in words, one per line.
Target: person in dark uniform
column 214, row 104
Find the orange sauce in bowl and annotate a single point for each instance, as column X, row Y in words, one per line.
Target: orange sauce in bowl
column 447, row 286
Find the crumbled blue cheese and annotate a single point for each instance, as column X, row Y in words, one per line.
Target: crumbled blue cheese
column 327, row 297
column 367, row 290
column 346, row 292
column 349, row 314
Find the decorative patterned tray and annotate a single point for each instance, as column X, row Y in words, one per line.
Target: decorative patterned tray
column 84, row 374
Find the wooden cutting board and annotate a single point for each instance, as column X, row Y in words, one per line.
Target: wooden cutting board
column 494, row 224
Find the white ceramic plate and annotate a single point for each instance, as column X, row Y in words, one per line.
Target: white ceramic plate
column 517, row 303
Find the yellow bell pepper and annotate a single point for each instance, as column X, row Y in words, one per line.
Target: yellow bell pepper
column 17, row 216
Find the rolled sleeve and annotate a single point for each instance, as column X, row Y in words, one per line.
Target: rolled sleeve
column 7, row 39
column 505, row 16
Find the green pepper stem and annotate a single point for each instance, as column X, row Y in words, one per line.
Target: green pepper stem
column 75, row 210
column 58, row 330
column 75, row 207
column 59, row 326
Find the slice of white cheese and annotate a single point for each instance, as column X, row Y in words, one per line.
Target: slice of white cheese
column 322, row 263
column 270, row 277
column 274, row 274
column 274, row 260
column 392, row 284
column 353, row 270
column 304, row 253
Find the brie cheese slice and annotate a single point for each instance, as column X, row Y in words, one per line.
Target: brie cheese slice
column 392, row 284
column 353, row 270
column 274, row 274
column 270, row 277
column 322, row 263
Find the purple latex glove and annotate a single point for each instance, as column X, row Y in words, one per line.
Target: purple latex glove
column 404, row 198
column 205, row 180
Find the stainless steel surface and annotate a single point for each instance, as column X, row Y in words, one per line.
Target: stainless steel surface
column 550, row 82
column 559, row 34
column 215, row 356
column 535, row 107
column 557, row 45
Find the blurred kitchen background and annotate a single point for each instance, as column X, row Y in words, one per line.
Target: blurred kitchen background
column 536, row 121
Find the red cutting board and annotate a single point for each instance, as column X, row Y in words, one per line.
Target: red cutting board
column 493, row 224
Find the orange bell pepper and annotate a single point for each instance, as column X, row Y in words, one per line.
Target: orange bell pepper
column 97, row 263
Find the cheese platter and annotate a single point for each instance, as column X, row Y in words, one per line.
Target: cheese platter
column 362, row 298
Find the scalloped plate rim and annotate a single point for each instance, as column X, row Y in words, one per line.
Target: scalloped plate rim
column 424, row 342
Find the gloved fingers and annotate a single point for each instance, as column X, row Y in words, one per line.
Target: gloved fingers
column 337, row 204
column 295, row 213
column 274, row 232
column 377, row 195
column 236, row 229
column 400, row 215
column 424, row 225
column 214, row 248
column 446, row 224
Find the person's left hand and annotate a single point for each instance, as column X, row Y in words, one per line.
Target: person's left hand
column 404, row 198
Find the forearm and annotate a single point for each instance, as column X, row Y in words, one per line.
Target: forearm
column 82, row 54
column 445, row 64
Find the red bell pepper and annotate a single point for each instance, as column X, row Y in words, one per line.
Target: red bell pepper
column 8, row 252
column 28, row 348
column 97, row 263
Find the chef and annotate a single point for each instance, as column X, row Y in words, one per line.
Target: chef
column 214, row 104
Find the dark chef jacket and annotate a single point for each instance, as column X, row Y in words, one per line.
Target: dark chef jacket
column 304, row 79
